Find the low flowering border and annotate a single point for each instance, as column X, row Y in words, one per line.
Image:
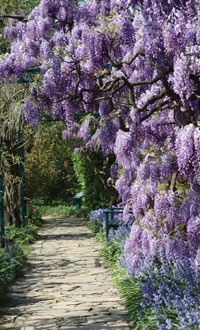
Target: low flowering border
column 12, row 260
column 165, row 295
column 13, row 256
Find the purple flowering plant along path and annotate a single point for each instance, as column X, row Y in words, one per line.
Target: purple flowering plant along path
column 124, row 77
column 171, row 290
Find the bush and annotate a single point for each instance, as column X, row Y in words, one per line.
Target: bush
column 56, row 209
column 92, row 172
column 165, row 296
column 11, row 264
column 13, row 256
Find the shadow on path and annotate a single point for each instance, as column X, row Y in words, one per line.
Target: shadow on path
column 66, row 285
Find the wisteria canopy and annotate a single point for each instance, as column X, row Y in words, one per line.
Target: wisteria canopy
column 125, row 75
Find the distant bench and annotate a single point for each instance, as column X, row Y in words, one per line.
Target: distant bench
column 110, row 216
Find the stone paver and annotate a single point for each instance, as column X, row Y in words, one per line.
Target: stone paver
column 66, row 286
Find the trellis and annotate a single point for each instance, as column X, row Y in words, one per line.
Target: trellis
column 26, row 79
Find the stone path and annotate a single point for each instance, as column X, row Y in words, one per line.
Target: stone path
column 66, row 285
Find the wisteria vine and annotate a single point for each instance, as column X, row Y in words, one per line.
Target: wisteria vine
column 125, row 76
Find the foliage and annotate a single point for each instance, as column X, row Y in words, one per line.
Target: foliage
column 161, row 297
column 22, row 236
column 9, row 7
column 128, row 287
column 92, row 170
column 34, row 213
column 56, row 209
column 11, row 261
column 13, row 256
column 94, row 226
column 49, row 169
column 111, row 252
column 11, row 142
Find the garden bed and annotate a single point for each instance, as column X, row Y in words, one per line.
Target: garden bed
column 162, row 296
column 13, row 256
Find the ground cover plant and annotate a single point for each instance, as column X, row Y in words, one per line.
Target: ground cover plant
column 129, row 288
column 17, row 246
column 162, row 297
column 12, row 262
column 57, row 209
column 124, row 76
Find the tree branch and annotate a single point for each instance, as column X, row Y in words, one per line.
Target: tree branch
column 173, row 181
column 120, row 64
column 152, row 111
column 170, row 91
column 153, row 99
column 17, row 17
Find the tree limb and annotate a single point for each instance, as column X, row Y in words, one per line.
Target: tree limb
column 173, row 181
column 152, row 111
column 17, row 17
column 153, row 99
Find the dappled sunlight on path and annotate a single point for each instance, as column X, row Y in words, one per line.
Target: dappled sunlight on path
column 66, row 285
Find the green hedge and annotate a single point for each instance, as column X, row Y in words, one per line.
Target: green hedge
column 92, row 172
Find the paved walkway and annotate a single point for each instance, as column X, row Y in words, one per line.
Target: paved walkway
column 66, row 285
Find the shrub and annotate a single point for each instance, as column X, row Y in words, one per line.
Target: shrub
column 13, row 256
column 11, row 264
column 164, row 296
column 92, row 172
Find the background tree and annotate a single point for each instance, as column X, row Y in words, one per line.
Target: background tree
column 11, row 128
column 49, row 169
column 92, row 172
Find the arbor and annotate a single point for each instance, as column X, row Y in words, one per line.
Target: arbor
column 124, row 75
column 12, row 123
column 11, row 141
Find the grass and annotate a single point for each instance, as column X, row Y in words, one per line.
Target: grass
column 22, row 236
column 58, row 209
column 129, row 290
